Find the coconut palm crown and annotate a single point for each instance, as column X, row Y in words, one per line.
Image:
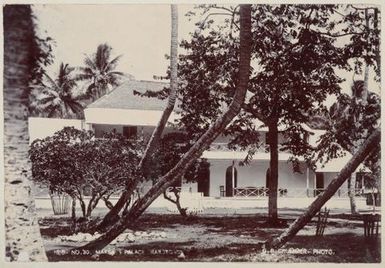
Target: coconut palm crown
column 55, row 98
column 100, row 71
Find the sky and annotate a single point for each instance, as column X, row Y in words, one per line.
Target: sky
column 141, row 33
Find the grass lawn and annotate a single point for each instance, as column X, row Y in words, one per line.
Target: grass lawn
column 217, row 238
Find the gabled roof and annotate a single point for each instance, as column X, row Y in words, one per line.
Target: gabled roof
column 122, row 97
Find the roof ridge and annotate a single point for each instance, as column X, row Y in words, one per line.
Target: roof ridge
column 149, row 81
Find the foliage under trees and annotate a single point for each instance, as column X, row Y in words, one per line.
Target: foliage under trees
column 72, row 160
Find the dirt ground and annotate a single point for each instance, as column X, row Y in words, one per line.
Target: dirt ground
column 216, row 238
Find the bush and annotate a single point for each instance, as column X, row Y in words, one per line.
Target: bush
column 72, row 160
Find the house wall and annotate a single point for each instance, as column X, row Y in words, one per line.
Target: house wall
column 144, row 131
column 329, row 176
column 262, row 138
column 125, row 116
column 40, row 128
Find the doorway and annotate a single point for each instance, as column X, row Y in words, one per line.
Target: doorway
column 319, row 183
column 231, row 175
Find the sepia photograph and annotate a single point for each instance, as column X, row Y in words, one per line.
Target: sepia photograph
column 185, row 133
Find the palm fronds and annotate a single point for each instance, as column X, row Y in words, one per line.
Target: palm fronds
column 54, row 97
column 99, row 71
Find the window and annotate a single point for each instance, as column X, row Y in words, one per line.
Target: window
column 204, row 181
column 130, row 132
column 267, row 142
column 319, row 183
column 363, row 180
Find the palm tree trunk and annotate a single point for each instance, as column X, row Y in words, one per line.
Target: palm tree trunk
column 369, row 145
column 154, row 140
column 197, row 149
column 22, row 233
column 363, row 101
column 377, row 50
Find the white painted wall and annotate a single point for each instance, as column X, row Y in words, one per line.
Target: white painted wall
column 329, row 176
column 124, row 116
column 40, row 127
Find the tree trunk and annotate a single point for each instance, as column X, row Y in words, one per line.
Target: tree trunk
column 273, row 178
column 182, row 211
column 369, row 145
column 22, row 234
column 73, row 209
column 73, row 215
column 154, row 140
column 83, row 207
column 377, row 50
column 176, row 202
column 107, row 202
column 92, row 204
column 352, row 193
column 363, row 101
column 197, row 149
column 112, row 215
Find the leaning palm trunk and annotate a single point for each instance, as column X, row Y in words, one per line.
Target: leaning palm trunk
column 154, row 140
column 368, row 146
column 363, row 101
column 22, row 234
column 112, row 215
column 197, row 149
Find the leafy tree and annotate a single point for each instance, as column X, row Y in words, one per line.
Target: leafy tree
column 352, row 122
column 294, row 73
column 350, row 117
column 99, row 71
column 348, row 122
column 71, row 160
column 55, row 98
column 23, row 242
column 366, row 149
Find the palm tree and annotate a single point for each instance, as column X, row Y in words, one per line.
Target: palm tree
column 22, row 235
column 157, row 133
column 197, row 149
column 100, row 71
column 54, row 98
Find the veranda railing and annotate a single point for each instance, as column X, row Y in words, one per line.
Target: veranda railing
column 290, row 192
